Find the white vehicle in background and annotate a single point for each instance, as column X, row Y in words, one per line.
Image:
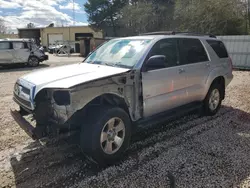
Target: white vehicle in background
column 20, row 51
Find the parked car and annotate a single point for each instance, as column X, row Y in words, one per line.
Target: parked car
column 60, row 49
column 123, row 84
column 20, row 51
column 52, row 48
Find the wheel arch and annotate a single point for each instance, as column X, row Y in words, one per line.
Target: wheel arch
column 217, row 80
column 111, row 99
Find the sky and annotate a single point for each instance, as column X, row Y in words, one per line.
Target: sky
column 18, row 13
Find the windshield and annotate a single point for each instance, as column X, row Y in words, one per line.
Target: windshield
column 119, row 52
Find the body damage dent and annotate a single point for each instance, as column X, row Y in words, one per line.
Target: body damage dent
column 121, row 86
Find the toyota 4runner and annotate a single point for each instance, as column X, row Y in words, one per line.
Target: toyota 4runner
column 124, row 83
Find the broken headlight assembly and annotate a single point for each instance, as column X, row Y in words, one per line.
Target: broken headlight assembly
column 61, row 97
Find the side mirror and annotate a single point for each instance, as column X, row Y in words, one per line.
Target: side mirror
column 156, row 62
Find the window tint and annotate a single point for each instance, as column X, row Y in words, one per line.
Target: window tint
column 219, row 48
column 4, row 45
column 192, row 51
column 167, row 47
column 18, row 45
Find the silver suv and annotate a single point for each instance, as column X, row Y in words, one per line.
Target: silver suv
column 20, row 51
column 125, row 83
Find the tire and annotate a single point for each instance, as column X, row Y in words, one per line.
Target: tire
column 108, row 149
column 33, row 61
column 212, row 102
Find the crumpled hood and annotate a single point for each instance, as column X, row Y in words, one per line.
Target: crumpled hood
column 69, row 75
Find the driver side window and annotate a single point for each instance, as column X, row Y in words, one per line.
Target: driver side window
column 168, row 48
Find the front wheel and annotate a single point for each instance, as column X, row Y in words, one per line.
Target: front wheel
column 33, row 61
column 106, row 134
column 212, row 102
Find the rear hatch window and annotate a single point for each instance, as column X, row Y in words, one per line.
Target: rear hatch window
column 219, row 48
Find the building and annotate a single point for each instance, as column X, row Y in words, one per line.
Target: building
column 53, row 35
column 5, row 35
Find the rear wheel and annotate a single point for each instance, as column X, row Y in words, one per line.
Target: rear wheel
column 33, row 61
column 212, row 102
column 106, row 135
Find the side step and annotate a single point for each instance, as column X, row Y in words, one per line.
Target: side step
column 168, row 115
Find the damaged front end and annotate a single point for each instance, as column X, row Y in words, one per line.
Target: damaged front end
column 50, row 113
column 60, row 112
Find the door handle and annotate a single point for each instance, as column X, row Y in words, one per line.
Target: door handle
column 207, row 64
column 181, row 70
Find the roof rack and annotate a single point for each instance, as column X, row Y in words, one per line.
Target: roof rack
column 178, row 33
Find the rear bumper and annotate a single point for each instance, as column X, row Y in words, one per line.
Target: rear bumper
column 44, row 58
column 228, row 79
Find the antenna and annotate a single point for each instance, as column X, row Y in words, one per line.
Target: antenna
column 73, row 12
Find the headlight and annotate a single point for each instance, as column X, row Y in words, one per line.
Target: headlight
column 16, row 89
column 62, row 98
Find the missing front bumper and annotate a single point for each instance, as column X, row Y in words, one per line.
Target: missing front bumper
column 33, row 132
column 37, row 133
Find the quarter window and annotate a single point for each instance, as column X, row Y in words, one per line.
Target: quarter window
column 4, row 45
column 18, row 45
column 219, row 48
column 168, row 48
column 192, row 51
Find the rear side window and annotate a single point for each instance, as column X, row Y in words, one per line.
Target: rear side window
column 192, row 51
column 219, row 48
column 4, row 45
column 18, row 45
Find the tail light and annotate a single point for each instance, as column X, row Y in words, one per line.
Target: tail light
column 231, row 63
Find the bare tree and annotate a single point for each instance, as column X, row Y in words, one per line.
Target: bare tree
column 3, row 28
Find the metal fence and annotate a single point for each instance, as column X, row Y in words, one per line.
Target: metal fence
column 238, row 47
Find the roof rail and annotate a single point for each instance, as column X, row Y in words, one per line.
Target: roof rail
column 195, row 34
column 159, row 33
column 178, row 33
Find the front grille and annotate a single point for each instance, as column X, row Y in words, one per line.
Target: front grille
column 22, row 102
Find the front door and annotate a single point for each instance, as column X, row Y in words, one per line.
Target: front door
column 195, row 60
column 21, row 52
column 5, row 52
column 164, row 88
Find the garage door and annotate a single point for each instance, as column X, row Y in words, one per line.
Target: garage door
column 55, row 37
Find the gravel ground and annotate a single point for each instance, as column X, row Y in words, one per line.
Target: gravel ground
column 196, row 151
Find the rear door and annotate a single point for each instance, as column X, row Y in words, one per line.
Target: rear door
column 5, row 52
column 164, row 88
column 197, row 65
column 21, row 52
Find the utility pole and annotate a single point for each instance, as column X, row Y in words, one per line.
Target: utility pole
column 73, row 12
column 248, row 15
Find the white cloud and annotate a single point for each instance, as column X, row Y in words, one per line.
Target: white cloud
column 39, row 12
column 9, row 4
column 70, row 6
